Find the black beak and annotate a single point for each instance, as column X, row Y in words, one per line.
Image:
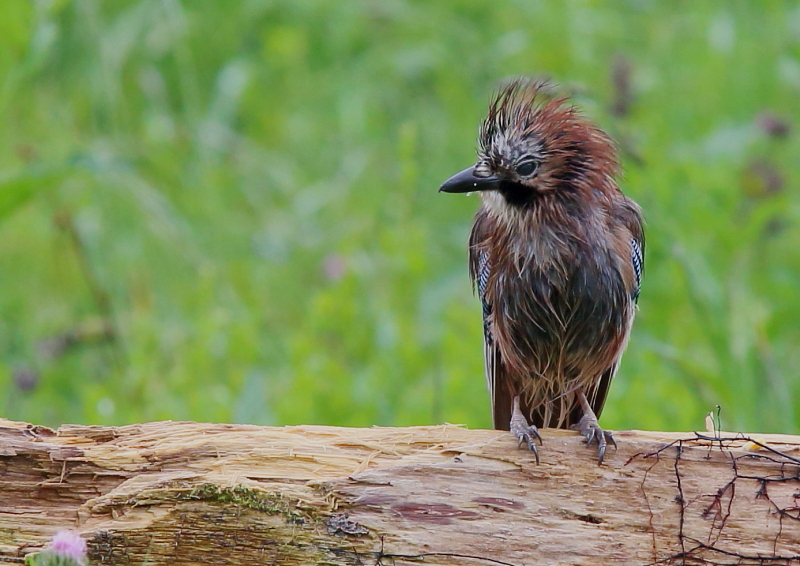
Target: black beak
column 466, row 181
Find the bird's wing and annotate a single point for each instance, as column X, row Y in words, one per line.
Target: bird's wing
column 637, row 257
column 480, row 270
column 631, row 216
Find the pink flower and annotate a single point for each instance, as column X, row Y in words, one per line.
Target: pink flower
column 69, row 545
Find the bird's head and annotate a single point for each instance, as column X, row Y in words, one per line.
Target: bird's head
column 533, row 144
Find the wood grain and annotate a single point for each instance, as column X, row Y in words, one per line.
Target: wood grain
column 191, row 493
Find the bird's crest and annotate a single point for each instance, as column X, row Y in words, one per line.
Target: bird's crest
column 516, row 109
column 527, row 118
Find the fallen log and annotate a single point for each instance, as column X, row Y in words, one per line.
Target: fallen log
column 190, row 493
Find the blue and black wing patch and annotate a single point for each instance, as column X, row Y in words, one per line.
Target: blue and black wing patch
column 637, row 257
column 482, row 281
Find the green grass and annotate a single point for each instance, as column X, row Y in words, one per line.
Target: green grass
column 244, row 195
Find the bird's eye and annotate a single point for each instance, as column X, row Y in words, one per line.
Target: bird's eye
column 526, row 168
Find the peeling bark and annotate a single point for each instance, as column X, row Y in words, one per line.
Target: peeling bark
column 190, row 493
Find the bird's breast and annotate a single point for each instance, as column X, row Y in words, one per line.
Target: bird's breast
column 558, row 298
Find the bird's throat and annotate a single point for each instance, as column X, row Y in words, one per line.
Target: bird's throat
column 510, row 206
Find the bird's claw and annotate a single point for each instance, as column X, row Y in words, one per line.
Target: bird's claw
column 593, row 434
column 528, row 434
column 523, row 431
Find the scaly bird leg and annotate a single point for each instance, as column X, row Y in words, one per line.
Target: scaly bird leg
column 524, row 432
column 591, row 430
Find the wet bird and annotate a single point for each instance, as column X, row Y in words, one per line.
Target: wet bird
column 556, row 257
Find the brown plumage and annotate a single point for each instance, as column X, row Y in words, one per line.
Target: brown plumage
column 556, row 255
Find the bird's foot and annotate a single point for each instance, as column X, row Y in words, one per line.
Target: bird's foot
column 594, row 434
column 523, row 431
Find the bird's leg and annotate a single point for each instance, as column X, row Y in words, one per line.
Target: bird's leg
column 591, row 430
column 524, row 432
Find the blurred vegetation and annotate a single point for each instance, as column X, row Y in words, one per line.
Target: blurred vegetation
column 227, row 211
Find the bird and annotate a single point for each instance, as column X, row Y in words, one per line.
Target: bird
column 556, row 256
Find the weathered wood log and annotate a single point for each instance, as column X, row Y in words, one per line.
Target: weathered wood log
column 189, row 493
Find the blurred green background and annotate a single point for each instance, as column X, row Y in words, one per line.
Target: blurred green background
column 227, row 211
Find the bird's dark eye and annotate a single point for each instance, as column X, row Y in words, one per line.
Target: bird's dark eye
column 526, row 168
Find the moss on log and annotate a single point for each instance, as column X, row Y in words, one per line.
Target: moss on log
column 189, row 493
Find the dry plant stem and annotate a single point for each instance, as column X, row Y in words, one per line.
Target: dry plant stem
column 189, row 493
